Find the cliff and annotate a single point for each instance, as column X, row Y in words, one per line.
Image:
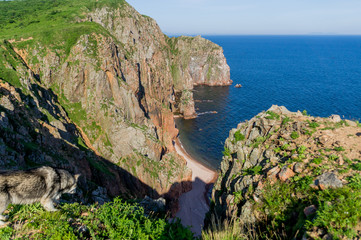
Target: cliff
column 291, row 176
column 92, row 83
column 196, row 61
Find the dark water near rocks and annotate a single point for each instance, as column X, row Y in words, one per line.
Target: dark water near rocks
column 321, row 74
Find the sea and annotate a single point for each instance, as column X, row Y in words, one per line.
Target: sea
column 319, row 74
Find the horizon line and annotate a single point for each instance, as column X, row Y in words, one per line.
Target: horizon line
column 220, row 34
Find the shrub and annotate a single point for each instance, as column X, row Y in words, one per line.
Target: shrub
column 356, row 166
column 285, row 121
column 317, row 160
column 226, row 152
column 339, row 212
column 294, row 135
column 272, row 115
column 333, row 157
column 339, row 149
column 113, row 220
column 238, row 136
column 313, row 124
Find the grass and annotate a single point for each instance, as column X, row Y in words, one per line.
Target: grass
column 256, row 170
column 272, row 115
column 238, row 136
column 53, row 24
column 338, row 210
column 285, row 121
column 113, row 220
column 226, row 152
column 295, row 135
column 317, row 160
column 313, row 124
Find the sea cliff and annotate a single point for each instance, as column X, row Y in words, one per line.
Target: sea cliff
column 93, row 86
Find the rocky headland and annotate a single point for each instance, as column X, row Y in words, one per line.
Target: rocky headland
column 95, row 92
column 287, row 175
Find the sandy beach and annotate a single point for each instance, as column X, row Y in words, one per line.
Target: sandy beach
column 193, row 204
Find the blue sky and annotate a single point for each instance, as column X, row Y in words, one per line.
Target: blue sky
column 254, row 16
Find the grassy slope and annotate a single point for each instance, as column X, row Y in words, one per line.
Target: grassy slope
column 114, row 220
column 53, row 23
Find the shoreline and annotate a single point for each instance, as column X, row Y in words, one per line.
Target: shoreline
column 194, row 205
column 194, row 163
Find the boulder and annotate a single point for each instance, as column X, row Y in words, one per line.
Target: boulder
column 328, row 180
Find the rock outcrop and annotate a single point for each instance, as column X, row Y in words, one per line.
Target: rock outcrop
column 196, row 61
column 288, row 173
column 106, row 89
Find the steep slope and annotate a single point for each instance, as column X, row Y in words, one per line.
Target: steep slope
column 108, row 70
column 287, row 175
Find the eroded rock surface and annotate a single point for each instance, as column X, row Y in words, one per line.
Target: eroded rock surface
column 282, row 168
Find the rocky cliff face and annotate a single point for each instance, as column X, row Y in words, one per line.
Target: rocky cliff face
column 108, row 87
column 286, row 174
column 196, row 61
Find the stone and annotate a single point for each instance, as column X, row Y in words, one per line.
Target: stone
column 309, row 210
column 328, row 180
column 272, row 174
column 254, row 158
column 6, row 103
column 335, row 118
column 153, row 205
column 100, row 195
column 298, row 167
column 247, row 215
column 285, row 173
column 351, row 123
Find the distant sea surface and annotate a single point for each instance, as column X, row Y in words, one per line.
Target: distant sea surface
column 320, row 74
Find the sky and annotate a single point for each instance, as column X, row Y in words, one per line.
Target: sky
column 253, row 17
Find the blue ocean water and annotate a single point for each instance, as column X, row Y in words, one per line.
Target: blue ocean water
column 320, row 74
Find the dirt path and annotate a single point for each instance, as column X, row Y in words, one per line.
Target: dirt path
column 193, row 205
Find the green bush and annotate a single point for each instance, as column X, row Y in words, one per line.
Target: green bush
column 294, row 135
column 317, row 160
column 113, row 220
column 238, row 136
column 339, row 149
column 226, row 152
column 313, row 124
column 339, row 211
column 272, row 115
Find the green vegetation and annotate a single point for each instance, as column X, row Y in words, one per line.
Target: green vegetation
column 256, row 142
column 54, row 24
column 317, row 160
column 272, row 115
column 226, row 152
column 339, row 149
column 238, row 136
column 114, row 220
column 333, row 157
column 313, row 124
column 337, row 210
column 295, row 135
column 256, row 170
column 356, row 166
column 285, row 121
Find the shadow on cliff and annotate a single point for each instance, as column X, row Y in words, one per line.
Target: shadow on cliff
column 32, row 137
